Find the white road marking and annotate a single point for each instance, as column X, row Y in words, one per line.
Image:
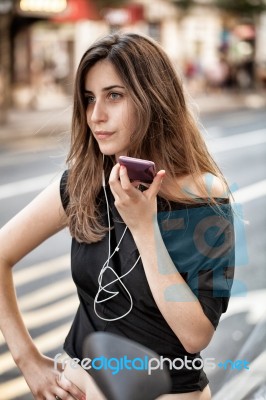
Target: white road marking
column 13, row 389
column 25, row 156
column 49, row 293
column 250, row 192
column 252, row 303
column 37, row 271
column 239, row 141
column 25, row 186
column 53, row 312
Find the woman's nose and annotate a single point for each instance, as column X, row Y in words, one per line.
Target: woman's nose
column 99, row 112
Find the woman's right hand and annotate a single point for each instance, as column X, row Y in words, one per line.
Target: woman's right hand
column 45, row 382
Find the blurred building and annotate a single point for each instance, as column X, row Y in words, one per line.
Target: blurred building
column 44, row 39
column 47, row 38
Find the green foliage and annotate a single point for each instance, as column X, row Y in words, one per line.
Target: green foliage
column 242, row 6
column 184, row 4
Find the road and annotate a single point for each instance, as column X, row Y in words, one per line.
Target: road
column 44, row 287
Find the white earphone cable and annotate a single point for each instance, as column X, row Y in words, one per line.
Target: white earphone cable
column 106, row 266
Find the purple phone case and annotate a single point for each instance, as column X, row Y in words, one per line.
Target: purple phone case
column 138, row 169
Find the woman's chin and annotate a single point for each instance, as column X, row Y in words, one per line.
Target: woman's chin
column 113, row 152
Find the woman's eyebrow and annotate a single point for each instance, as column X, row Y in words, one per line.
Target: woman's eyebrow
column 107, row 88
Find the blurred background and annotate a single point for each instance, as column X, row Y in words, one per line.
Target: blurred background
column 218, row 48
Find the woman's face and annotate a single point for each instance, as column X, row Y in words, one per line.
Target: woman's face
column 110, row 112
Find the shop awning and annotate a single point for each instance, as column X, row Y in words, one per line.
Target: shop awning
column 77, row 10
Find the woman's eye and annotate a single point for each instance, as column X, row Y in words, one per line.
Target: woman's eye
column 115, row 96
column 90, row 99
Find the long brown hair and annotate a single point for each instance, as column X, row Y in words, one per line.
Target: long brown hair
column 166, row 132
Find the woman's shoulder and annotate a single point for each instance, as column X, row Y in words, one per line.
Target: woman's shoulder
column 190, row 188
column 203, row 186
column 205, row 204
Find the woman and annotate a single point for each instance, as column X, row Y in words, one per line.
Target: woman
column 151, row 263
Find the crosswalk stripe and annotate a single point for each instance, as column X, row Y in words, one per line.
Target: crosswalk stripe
column 46, row 342
column 29, row 155
column 42, row 269
column 49, row 293
column 250, row 192
column 13, row 388
column 237, row 141
column 25, row 186
column 52, row 313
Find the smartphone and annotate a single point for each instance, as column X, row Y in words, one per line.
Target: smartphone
column 138, row 169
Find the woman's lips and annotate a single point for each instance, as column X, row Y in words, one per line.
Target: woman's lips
column 103, row 134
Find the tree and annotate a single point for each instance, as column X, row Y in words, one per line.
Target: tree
column 245, row 8
column 184, row 4
column 237, row 7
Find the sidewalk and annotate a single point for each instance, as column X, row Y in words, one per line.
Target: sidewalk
column 229, row 101
column 52, row 124
column 30, row 125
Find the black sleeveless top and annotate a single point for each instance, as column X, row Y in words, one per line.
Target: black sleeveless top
column 200, row 241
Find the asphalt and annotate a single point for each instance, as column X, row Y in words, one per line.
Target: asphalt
column 52, row 123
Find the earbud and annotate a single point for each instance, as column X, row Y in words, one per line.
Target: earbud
column 103, row 179
column 103, row 174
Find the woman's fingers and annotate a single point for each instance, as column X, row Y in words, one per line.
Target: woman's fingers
column 120, row 184
column 156, row 184
column 114, row 183
column 126, row 185
column 157, row 181
column 73, row 391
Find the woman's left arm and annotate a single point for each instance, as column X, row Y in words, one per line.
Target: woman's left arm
column 175, row 300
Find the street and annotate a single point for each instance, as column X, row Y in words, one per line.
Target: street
column 47, row 296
